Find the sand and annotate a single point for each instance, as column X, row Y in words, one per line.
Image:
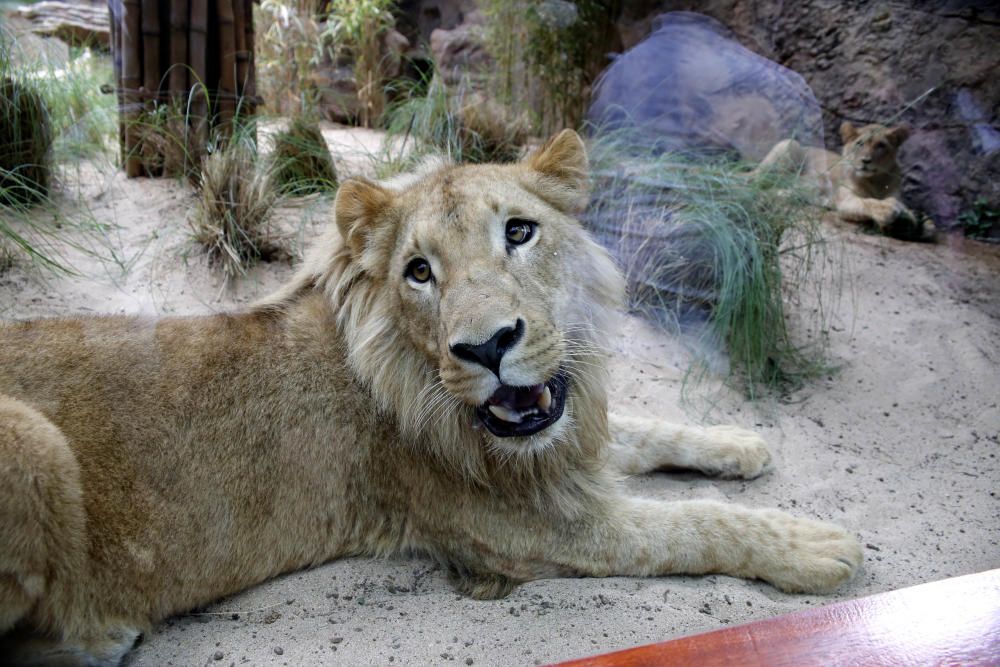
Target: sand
column 899, row 444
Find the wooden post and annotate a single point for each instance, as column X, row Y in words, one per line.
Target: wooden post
column 131, row 82
column 197, row 54
column 250, row 91
column 227, row 61
column 178, row 50
column 115, row 14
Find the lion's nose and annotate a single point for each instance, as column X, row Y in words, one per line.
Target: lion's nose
column 490, row 353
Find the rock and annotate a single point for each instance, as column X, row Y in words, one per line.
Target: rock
column 691, row 87
column 461, row 50
column 77, row 24
column 338, row 93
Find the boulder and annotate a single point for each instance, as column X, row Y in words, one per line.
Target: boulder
column 77, row 24
column 691, row 87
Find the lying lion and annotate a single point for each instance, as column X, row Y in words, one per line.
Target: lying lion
column 432, row 380
column 862, row 183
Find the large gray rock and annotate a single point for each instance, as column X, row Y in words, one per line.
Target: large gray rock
column 691, row 87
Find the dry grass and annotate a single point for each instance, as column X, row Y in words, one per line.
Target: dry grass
column 236, row 197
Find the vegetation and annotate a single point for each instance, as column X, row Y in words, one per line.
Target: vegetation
column 463, row 126
column 301, row 160
column 709, row 242
column 236, row 195
column 25, row 144
column 357, row 27
column 548, row 54
column 979, row 221
column 289, row 47
column 50, row 113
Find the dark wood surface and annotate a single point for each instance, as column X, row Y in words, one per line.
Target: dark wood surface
column 950, row 622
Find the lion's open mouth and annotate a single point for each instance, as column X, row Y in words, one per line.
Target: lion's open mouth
column 522, row 411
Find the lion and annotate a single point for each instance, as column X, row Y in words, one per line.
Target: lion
column 862, row 183
column 432, row 380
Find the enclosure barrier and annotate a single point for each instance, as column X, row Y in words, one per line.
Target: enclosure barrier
column 201, row 66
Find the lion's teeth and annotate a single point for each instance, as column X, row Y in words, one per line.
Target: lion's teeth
column 505, row 414
column 545, row 400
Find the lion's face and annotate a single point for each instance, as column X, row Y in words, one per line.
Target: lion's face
column 871, row 150
column 493, row 283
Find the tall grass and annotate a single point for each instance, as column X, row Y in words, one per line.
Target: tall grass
column 301, row 160
column 547, row 55
column 456, row 123
column 357, row 27
column 709, row 246
column 289, row 47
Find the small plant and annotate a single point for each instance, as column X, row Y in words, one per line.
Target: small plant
column 463, row 126
column 235, row 197
column 548, row 53
column 707, row 243
column 289, row 47
column 357, row 27
column 302, row 163
column 25, row 144
column 84, row 119
column 980, row 220
column 163, row 142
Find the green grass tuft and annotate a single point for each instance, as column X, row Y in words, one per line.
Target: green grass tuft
column 462, row 126
column 708, row 243
column 301, row 160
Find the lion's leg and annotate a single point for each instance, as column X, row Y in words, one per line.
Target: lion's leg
column 104, row 649
column 640, row 445
column 648, row 537
column 883, row 212
column 42, row 545
column 625, row 536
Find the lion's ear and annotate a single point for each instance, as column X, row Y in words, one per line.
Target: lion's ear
column 562, row 165
column 847, row 132
column 898, row 135
column 361, row 209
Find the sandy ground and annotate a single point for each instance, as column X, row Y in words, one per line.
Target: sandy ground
column 900, row 445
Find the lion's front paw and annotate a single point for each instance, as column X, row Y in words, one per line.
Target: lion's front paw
column 806, row 556
column 736, row 453
column 892, row 212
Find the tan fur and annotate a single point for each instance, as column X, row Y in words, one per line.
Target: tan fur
column 862, row 183
column 151, row 466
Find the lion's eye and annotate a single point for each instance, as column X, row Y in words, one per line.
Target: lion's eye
column 520, row 231
column 418, row 270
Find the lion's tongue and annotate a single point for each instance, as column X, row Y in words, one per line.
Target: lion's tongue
column 512, row 404
column 516, row 398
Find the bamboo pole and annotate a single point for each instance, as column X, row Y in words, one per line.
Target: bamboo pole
column 150, row 67
column 197, row 54
column 227, row 62
column 131, row 82
column 239, row 28
column 178, row 78
column 150, row 47
column 115, row 14
column 251, row 83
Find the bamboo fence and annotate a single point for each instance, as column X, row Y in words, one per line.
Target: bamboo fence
column 194, row 55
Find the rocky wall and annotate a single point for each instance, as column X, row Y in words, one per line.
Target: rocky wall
column 934, row 65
